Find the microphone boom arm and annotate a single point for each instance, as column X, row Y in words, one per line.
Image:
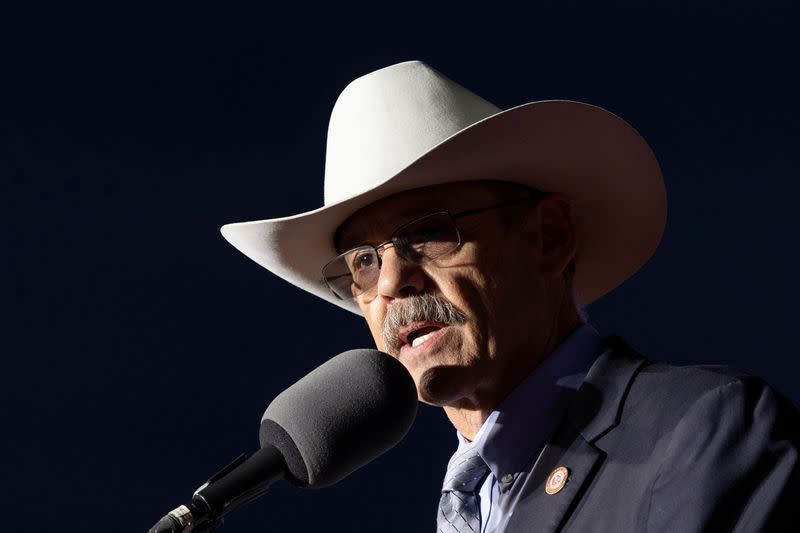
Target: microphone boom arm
column 239, row 483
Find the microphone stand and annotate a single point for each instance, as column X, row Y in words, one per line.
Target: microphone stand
column 239, row 483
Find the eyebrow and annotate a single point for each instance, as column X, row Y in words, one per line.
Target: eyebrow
column 338, row 239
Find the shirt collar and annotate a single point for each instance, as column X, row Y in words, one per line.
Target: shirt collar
column 516, row 431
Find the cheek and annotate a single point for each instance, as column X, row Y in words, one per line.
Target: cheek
column 374, row 318
column 497, row 298
column 470, row 291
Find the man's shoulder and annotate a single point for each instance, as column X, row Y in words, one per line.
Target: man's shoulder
column 676, row 390
column 659, row 381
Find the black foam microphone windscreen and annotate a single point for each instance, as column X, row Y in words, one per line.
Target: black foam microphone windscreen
column 341, row 416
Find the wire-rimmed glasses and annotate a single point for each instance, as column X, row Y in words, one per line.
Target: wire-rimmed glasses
column 356, row 271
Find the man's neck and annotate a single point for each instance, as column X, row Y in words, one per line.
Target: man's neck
column 468, row 418
column 467, row 421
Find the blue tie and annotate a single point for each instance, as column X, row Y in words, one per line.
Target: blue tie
column 458, row 507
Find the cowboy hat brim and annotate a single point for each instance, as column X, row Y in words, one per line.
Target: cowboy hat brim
column 593, row 157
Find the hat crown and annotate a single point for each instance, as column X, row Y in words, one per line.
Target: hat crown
column 384, row 121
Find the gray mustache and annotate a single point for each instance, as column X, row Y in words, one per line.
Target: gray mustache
column 422, row 308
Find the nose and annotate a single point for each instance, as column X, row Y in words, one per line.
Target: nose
column 398, row 277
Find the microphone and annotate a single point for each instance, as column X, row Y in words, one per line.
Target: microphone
column 333, row 421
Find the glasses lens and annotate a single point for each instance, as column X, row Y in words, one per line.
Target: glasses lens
column 429, row 237
column 356, row 272
column 352, row 273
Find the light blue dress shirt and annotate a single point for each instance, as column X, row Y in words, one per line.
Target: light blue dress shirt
column 514, row 434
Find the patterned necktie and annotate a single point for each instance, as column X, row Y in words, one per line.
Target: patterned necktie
column 458, row 507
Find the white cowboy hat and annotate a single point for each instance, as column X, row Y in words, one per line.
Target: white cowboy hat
column 408, row 126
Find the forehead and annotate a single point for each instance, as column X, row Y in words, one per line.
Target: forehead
column 376, row 221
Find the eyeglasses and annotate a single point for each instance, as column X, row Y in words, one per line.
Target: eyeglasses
column 356, row 271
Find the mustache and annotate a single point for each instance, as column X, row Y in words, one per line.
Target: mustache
column 422, row 308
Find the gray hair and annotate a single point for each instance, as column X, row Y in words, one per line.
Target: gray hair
column 418, row 308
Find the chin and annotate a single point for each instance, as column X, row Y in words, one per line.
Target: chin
column 441, row 385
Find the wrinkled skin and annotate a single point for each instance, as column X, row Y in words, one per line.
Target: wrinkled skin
column 507, row 277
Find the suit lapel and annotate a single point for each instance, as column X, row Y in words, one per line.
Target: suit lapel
column 594, row 411
column 536, row 510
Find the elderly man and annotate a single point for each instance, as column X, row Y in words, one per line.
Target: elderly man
column 469, row 238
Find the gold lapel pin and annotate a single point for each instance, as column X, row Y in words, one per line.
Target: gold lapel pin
column 556, row 480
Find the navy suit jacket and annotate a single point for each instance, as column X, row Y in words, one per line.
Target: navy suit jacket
column 652, row 447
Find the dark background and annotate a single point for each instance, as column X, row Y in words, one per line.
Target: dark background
column 140, row 349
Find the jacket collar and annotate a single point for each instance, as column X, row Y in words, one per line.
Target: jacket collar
column 598, row 404
column 594, row 411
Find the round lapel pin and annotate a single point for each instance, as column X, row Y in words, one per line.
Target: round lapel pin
column 556, row 480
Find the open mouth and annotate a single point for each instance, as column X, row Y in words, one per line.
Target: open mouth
column 415, row 334
column 421, row 335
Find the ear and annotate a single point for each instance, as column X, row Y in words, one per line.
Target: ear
column 556, row 227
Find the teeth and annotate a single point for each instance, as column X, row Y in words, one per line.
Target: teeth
column 419, row 340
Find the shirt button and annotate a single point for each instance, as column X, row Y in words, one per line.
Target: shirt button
column 508, row 478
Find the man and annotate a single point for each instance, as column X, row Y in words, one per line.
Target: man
column 469, row 238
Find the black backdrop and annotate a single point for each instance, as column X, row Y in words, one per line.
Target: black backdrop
column 140, row 349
